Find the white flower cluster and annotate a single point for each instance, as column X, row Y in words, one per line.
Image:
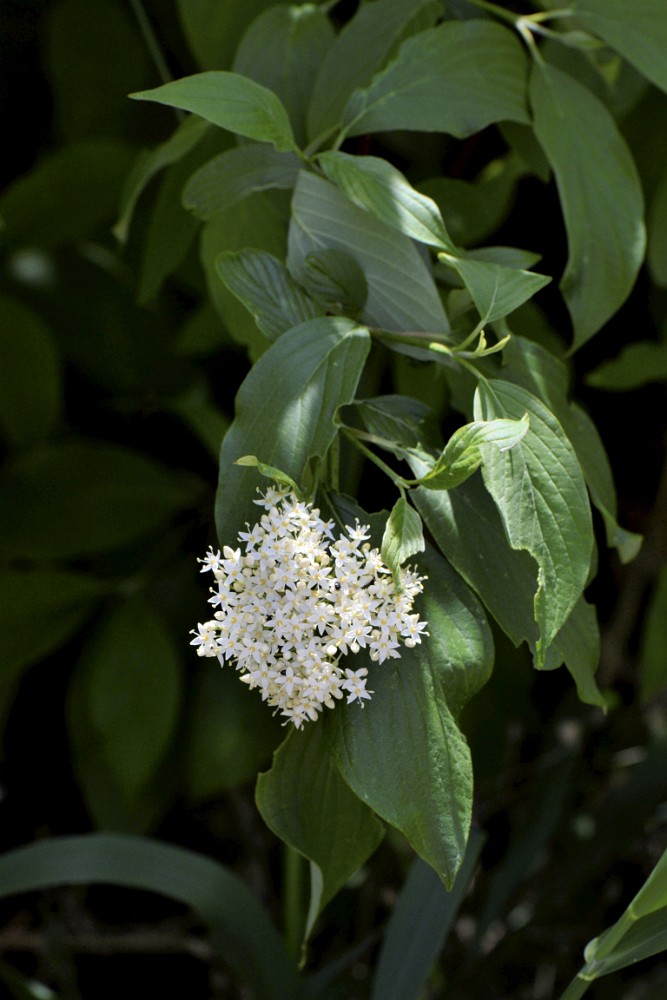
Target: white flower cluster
column 296, row 599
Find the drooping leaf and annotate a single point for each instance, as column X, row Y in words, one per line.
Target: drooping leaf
column 230, row 101
column 285, row 410
column 268, row 471
column 409, row 725
column 149, row 163
column 283, row 49
column 600, row 196
column 540, row 492
column 241, row 931
column 456, row 78
column 70, row 499
column 362, row 47
column 577, row 645
column 464, row 452
column 403, row 536
column 234, row 174
column 401, row 291
column 30, row 390
column 267, row 290
column 638, row 31
column 306, row 803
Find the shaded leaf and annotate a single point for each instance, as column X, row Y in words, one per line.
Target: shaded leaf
column 334, row 279
column 653, row 650
column 234, row 174
column 213, row 29
column 636, row 365
column 638, row 31
column 230, row 101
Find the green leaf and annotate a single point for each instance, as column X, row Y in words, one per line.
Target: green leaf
column 540, row 493
column 267, row 290
column 259, row 222
column 30, row 390
column 646, row 937
column 230, row 101
column 656, row 254
column 68, row 195
column 131, row 690
column 465, row 450
column 213, row 30
column 638, row 31
column 495, row 290
column 600, row 196
column 409, row 726
column 268, row 471
column 401, row 291
column 636, row 365
column 653, row 661
column 234, row 174
column 402, row 421
column 362, row 47
column 418, row 927
column 578, row 646
column 456, row 78
column 474, row 211
column 285, row 410
column 150, row 163
column 335, row 280
column 306, row 803
column 241, row 931
column 378, row 187
column 283, row 49
column 73, row 499
column 403, row 536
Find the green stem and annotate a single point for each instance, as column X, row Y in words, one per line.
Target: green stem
column 293, row 896
column 355, row 438
column 493, row 8
column 153, row 45
column 576, row 989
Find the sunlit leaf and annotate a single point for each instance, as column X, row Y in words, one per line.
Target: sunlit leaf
column 403, row 536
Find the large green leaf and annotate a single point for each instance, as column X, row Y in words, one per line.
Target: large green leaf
column 540, row 492
column 401, row 291
column 149, row 163
column 409, row 727
column 306, row 803
column 131, row 690
column 267, row 290
column 72, row 499
column 241, row 931
column 285, row 410
column 30, row 391
column 637, row 30
column 600, row 196
column 362, row 47
column 236, row 173
column 283, row 49
column 230, row 101
column 456, row 78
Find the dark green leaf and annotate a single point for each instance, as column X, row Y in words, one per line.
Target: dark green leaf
column 636, row 365
column 362, row 47
column 149, row 163
column 464, row 452
column 230, row 101
column 409, row 727
column 473, row 212
column 334, row 279
column 72, row 499
column 638, row 31
column 456, row 78
column 418, row 927
column 267, row 290
column 541, row 495
column 285, row 410
column 401, row 291
column 402, row 420
column 236, row 173
column 578, row 646
column 306, row 803
column 30, row 392
column 283, row 49
column 653, row 661
column 241, row 930
column 213, row 30
column 495, row 290
column 403, row 536
column 656, row 254
column 600, row 196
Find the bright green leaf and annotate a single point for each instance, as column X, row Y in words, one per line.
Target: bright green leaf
column 285, row 410
column 230, row 101
column 233, row 175
column 638, row 31
column 241, row 931
column 496, row 290
column 464, row 452
column 456, row 78
column 600, row 196
column 306, row 803
column 409, row 726
column 403, row 536
column 268, row 471
column 540, row 492
column 267, row 290
column 362, row 47
column 401, row 291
